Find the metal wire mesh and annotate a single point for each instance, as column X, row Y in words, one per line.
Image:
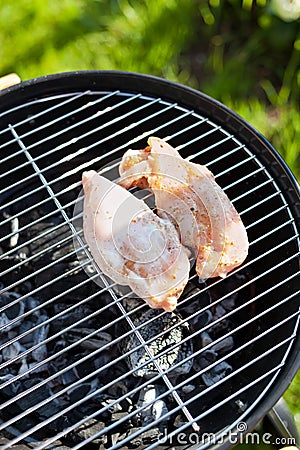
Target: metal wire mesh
column 44, row 155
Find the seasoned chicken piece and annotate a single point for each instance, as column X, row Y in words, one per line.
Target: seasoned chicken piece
column 131, row 244
column 188, row 194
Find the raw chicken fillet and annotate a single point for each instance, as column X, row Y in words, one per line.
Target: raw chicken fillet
column 132, row 245
column 189, row 196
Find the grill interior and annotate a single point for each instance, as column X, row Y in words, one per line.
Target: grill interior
column 68, row 371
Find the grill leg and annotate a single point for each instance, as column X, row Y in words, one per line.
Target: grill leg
column 280, row 423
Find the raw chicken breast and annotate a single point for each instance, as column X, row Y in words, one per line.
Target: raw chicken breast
column 131, row 244
column 188, row 194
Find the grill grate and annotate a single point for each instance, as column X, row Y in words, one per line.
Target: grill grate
column 46, row 144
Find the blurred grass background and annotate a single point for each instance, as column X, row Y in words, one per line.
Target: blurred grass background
column 245, row 53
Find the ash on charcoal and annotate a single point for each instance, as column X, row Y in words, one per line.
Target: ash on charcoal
column 224, row 346
column 39, row 335
column 89, row 428
column 12, row 350
column 188, row 388
column 10, row 312
column 11, row 389
column 118, row 389
column 158, row 345
column 203, row 360
column 217, row 373
column 152, row 409
column 198, row 322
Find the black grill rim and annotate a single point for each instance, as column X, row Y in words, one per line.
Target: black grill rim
column 131, row 82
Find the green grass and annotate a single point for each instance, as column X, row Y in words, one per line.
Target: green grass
column 246, row 57
column 280, row 125
column 254, row 69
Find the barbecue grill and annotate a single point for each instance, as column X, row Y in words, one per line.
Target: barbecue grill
column 85, row 366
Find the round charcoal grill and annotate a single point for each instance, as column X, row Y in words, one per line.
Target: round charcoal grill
column 85, row 367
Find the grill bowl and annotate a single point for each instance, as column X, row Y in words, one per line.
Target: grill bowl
column 54, row 127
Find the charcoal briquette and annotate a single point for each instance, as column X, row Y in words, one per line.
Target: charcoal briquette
column 217, row 373
column 151, row 435
column 170, row 336
column 11, row 389
column 78, row 392
column 224, row 346
column 91, row 427
column 35, row 396
column 136, row 441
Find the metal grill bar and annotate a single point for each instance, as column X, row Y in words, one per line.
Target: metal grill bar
column 185, row 426
column 70, row 237
column 78, row 184
column 64, row 116
column 62, row 258
column 189, row 112
column 248, row 159
column 75, row 185
column 192, row 141
column 90, row 375
column 66, row 144
column 250, row 191
column 62, row 224
column 70, row 97
column 254, row 260
column 13, row 233
column 90, row 259
column 232, row 312
column 123, row 355
column 131, row 393
column 64, row 176
column 51, row 193
column 67, row 255
column 98, row 143
column 245, row 324
column 118, row 445
column 162, row 373
column 178, row 408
